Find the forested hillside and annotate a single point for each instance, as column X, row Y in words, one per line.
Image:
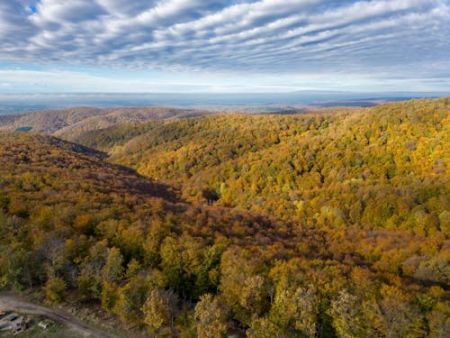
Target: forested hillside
column 383, row 167
column 72, row 224
column 329, row 225
column 70, row 123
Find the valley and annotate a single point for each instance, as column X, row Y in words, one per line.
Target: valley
column 330, row 223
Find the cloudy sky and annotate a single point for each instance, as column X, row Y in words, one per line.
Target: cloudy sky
column 224, row 45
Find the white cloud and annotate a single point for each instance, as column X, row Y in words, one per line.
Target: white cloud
column 255, row 37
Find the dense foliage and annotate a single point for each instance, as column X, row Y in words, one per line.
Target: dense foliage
column 384, row 167
column 357, row 244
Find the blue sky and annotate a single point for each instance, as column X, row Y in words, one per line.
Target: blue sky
column 224, row 46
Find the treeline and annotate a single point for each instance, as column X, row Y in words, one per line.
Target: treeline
column 73, row 224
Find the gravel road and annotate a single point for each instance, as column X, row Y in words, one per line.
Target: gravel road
column 12, row 302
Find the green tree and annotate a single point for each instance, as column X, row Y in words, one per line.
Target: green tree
column 159, row 310
column 130, row 300
column 211, row 317
column 296, row 310
column 109, row 295
column 55, row 290
column 265, row 328
column 348, row 317
column 113, row 270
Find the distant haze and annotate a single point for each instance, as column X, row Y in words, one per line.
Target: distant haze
column 21, row 103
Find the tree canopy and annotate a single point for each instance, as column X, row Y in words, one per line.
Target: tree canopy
column 322, row 224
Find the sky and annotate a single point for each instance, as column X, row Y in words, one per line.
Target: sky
column 217, row 46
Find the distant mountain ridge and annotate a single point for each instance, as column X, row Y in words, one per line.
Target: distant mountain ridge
column 72, row 122
column 248, row 102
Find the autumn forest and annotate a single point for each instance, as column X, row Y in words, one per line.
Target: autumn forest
column 330, row 223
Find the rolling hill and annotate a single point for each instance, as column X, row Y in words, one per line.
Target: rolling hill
column 371, row 167
column 70, row 123
column 323, row 224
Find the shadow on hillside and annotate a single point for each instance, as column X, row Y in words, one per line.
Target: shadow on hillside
column 146, row 187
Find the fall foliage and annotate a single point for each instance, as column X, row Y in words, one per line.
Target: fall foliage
column 322, row 224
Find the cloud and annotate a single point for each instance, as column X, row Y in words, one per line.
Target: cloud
column 402, row 37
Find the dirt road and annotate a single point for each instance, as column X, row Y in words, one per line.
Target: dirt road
column 12, row 302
